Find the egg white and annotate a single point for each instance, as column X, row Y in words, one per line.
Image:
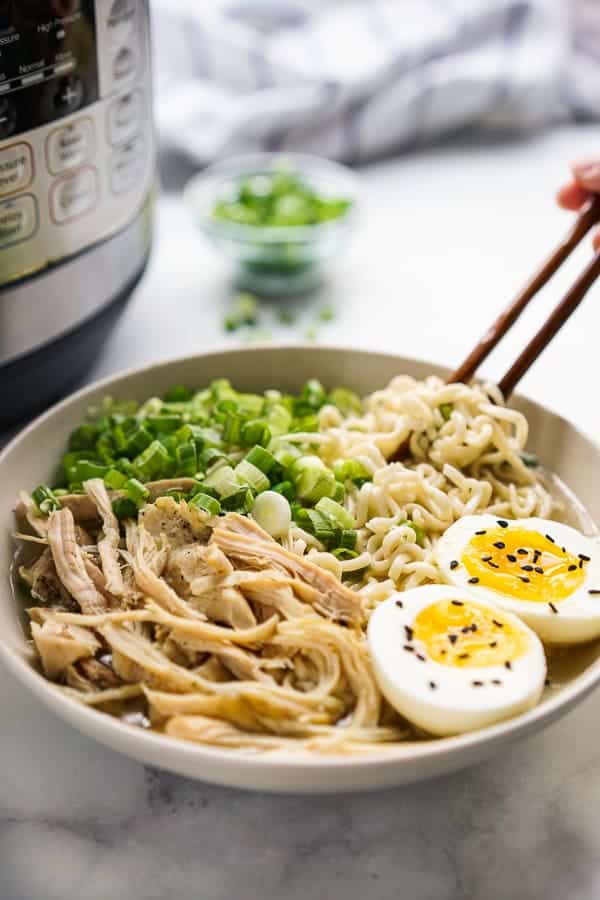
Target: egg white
column 454, row 706
column 578, row 616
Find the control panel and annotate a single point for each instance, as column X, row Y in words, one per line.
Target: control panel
column 76, row 138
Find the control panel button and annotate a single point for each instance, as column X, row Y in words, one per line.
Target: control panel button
column 70, row 146
column 124, row 64
column 121, row 20
column 127, row 166
column 18, row 220
column 16, row 168
column 73, row 196
column 8, row 118
column 124, row 117
column 69, row 95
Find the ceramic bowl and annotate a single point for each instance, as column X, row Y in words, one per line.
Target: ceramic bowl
column 31, row 456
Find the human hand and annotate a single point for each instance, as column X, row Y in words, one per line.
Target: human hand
column 584, row 183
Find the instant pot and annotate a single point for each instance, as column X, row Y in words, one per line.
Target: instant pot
column 77, row 165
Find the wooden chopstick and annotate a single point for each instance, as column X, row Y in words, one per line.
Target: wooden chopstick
column 588, row 217
column 555, row 321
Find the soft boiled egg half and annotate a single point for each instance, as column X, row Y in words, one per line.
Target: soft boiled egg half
column 450, row 663
column 545, row 572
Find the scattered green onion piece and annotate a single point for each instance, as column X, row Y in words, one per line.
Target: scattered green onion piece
column 262, row 459
column 232, row 428
column 327, row 314
column 272, row 512
column 336, row 512
column 163, row 424
column 187, row 459
column 286, row 488
column 446, row 409
column 115, row 479
column 136, row 491
column 338, row 492
column 124, row 508
column 223, row 480
column 83, row 470
column 208, row 457
column 250, row 474
column 343, row 553
column 346, row 401
column 321, row 526
column 348, row 539
column 279, row 419
column 178, row 394
column 255, row 432
column 351, row 470
column 45, row 499
column 241, row 501
column 419, row 533
column 529, row 459
column 312, row 479
column 137, row 442
column 84, row 437
column 207, row 503
column 153, row 463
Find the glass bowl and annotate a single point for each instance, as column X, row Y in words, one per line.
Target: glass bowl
column 285, row 259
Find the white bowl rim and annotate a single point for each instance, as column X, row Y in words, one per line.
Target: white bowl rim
column 103, row 727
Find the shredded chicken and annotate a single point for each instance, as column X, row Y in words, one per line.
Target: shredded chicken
column 61, row 645
column 108, row 545
column 70, row 563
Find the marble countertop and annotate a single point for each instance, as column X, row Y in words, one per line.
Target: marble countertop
column 446, row 237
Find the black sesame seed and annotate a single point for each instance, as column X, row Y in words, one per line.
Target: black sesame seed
column 474, row 580
column 494, row 565
column 502, row 523
column 522, row 551
column 453, row 563
column 477, row 683
column 473, row 627
column 409, row 648
column 594, row 591
column 564, row 549
column 508, row 664
column 511, row 557
column 420, row 657
column 500, row 545
column 486, row 558
column 457, row 603
column 547, row 682
column 553, row 607
column 583, row 557
column 572, row 568
column 497, row 623
column 432, row 685
column 536, row 555
column 443, row 652
column 453, row 638
column 483, row 531
column 539, row 570
column 581, row 564
column 400, row 604
column 550, row 538
column 527, row 568
column 466, row 629
column 525, row 579
column 493, row 643
column 463, row 655
column 409, row 632
column 496, row 681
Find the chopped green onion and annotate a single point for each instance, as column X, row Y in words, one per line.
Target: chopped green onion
column 312, row 479
column 232, row 428
column 327, row 314
column 419, row 533
column 83, row 470
column 115, row 479
column 208, row 457
column 529, row 459
column 164, row 424
column 286, row 488
column 272, row 512
column 255, row 432
column 446, row 410
column 262, row 459
column 187, row 459
column 338, row 492
column 137, row 442
column 250, row 474
column 124, row 508
column 351, row 470
column 346, row 401
column 348, row 539
column 209, row 504
column 136, row 491
column 343, row 553
column 336, row 512
column 153, row 463
column 45, row 499
column 177, row 394
column 241, row 500
column 223, row 480
column 279, row 419
column 84, row 437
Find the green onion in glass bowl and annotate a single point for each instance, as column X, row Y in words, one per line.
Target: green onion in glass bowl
column 279, row 218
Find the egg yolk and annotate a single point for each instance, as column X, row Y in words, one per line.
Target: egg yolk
column 523, row 564
column 463, row 634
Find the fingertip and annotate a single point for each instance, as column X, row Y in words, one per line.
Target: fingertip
column 596, row 239
column 571, row 196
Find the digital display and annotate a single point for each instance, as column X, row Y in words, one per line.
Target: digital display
column 48, row 64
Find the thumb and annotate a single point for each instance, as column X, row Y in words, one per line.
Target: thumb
column 587, row 173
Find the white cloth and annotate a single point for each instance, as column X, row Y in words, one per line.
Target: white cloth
column 356, row 78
